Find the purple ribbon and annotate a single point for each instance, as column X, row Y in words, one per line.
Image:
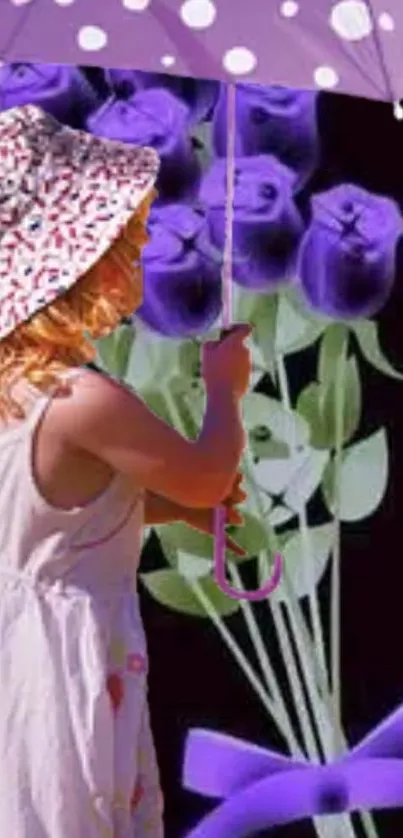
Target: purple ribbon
column 263, row 789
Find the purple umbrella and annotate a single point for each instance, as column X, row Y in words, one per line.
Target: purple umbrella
column 262, row 789
column 350, row 46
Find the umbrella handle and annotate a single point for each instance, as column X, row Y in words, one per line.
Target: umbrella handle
column 219, row 566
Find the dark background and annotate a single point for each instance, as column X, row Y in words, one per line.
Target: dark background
column 193, row 680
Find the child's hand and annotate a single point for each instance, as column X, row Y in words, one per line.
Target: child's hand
column 203, row 519
column 236, row 496
column 227, row 363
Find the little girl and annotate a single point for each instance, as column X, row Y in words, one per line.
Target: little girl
column 83, row 465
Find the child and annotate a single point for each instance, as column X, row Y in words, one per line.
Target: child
column 83, row 464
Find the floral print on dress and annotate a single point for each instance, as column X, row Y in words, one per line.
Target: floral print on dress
column 137, row 795
column 123, row 658
column 115, row 689
column 142, row 807
column 136, row 663
column 122, row 661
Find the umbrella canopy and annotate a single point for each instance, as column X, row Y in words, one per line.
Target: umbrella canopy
column 350, row 46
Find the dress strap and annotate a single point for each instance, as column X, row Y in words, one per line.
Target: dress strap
column 43, row 401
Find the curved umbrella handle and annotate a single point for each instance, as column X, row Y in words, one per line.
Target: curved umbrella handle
column 219, row 565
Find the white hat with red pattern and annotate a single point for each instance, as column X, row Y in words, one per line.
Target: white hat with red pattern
column 65, row 197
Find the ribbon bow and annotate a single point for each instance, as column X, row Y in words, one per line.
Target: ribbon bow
column 263, row 789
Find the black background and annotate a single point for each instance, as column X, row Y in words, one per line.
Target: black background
column 193, row 680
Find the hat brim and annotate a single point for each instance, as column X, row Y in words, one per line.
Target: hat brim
column 89, row 190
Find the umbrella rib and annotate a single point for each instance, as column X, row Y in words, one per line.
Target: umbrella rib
column 16, row 31
column 381, row 54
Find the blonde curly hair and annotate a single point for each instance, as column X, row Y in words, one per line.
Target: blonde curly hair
column 59, row 336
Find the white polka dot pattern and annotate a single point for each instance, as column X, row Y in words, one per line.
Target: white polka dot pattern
column 327, row 44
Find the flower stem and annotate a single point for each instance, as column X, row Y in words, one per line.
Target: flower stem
column 315, row 704
column 242, row 660
column 329, row 721
column 321, row 706
column 301, row 705
column 265, row 662
column 322, row 827
column 307, row 557
column 336, row 557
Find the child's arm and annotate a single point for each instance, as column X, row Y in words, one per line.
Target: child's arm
column 159, row 510
column 111, row 422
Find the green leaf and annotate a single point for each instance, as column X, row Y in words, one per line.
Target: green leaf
column 297, row 328
column 363, row 478
column 191, row 419
column 189, row 359
column 252, row 537
column 265, row 501
column 106, row 353
column 274, row 476
column 267, row 449
column 332, row 345
column 190, row 399
column 114, row 351
column 280, row 515
column 169, row 588
column 204, row 144
column 193, row 567
column 188, row 540
column 306, row 479
column 152, row 360
column 291, row 325
column 124, row 341
column 297, row 478
column 306, row 557
column 351, row 404
column 261, row 411
column 316, row 403
column 167, row 545
column 298, row 301
column 294, row 329
column 176, row 412
column 309, row 406
column 263, row 316
column 154, row 399
column 366, row 332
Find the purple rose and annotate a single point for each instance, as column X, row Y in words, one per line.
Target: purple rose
column 267, row 224
column 348, row 253
column 200, row 96
column 271, row 120
column 61, row 91
column 181, row 287
column 155, row 118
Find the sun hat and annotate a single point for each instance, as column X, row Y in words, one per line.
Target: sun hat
column 65, row 196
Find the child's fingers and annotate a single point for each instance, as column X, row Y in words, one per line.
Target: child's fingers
column 238, row 480
column 234, row 547
column 234, row 517
column 241, row 495
column 236, row 496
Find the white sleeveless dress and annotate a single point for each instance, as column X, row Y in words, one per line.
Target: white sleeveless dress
column 76, row 753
